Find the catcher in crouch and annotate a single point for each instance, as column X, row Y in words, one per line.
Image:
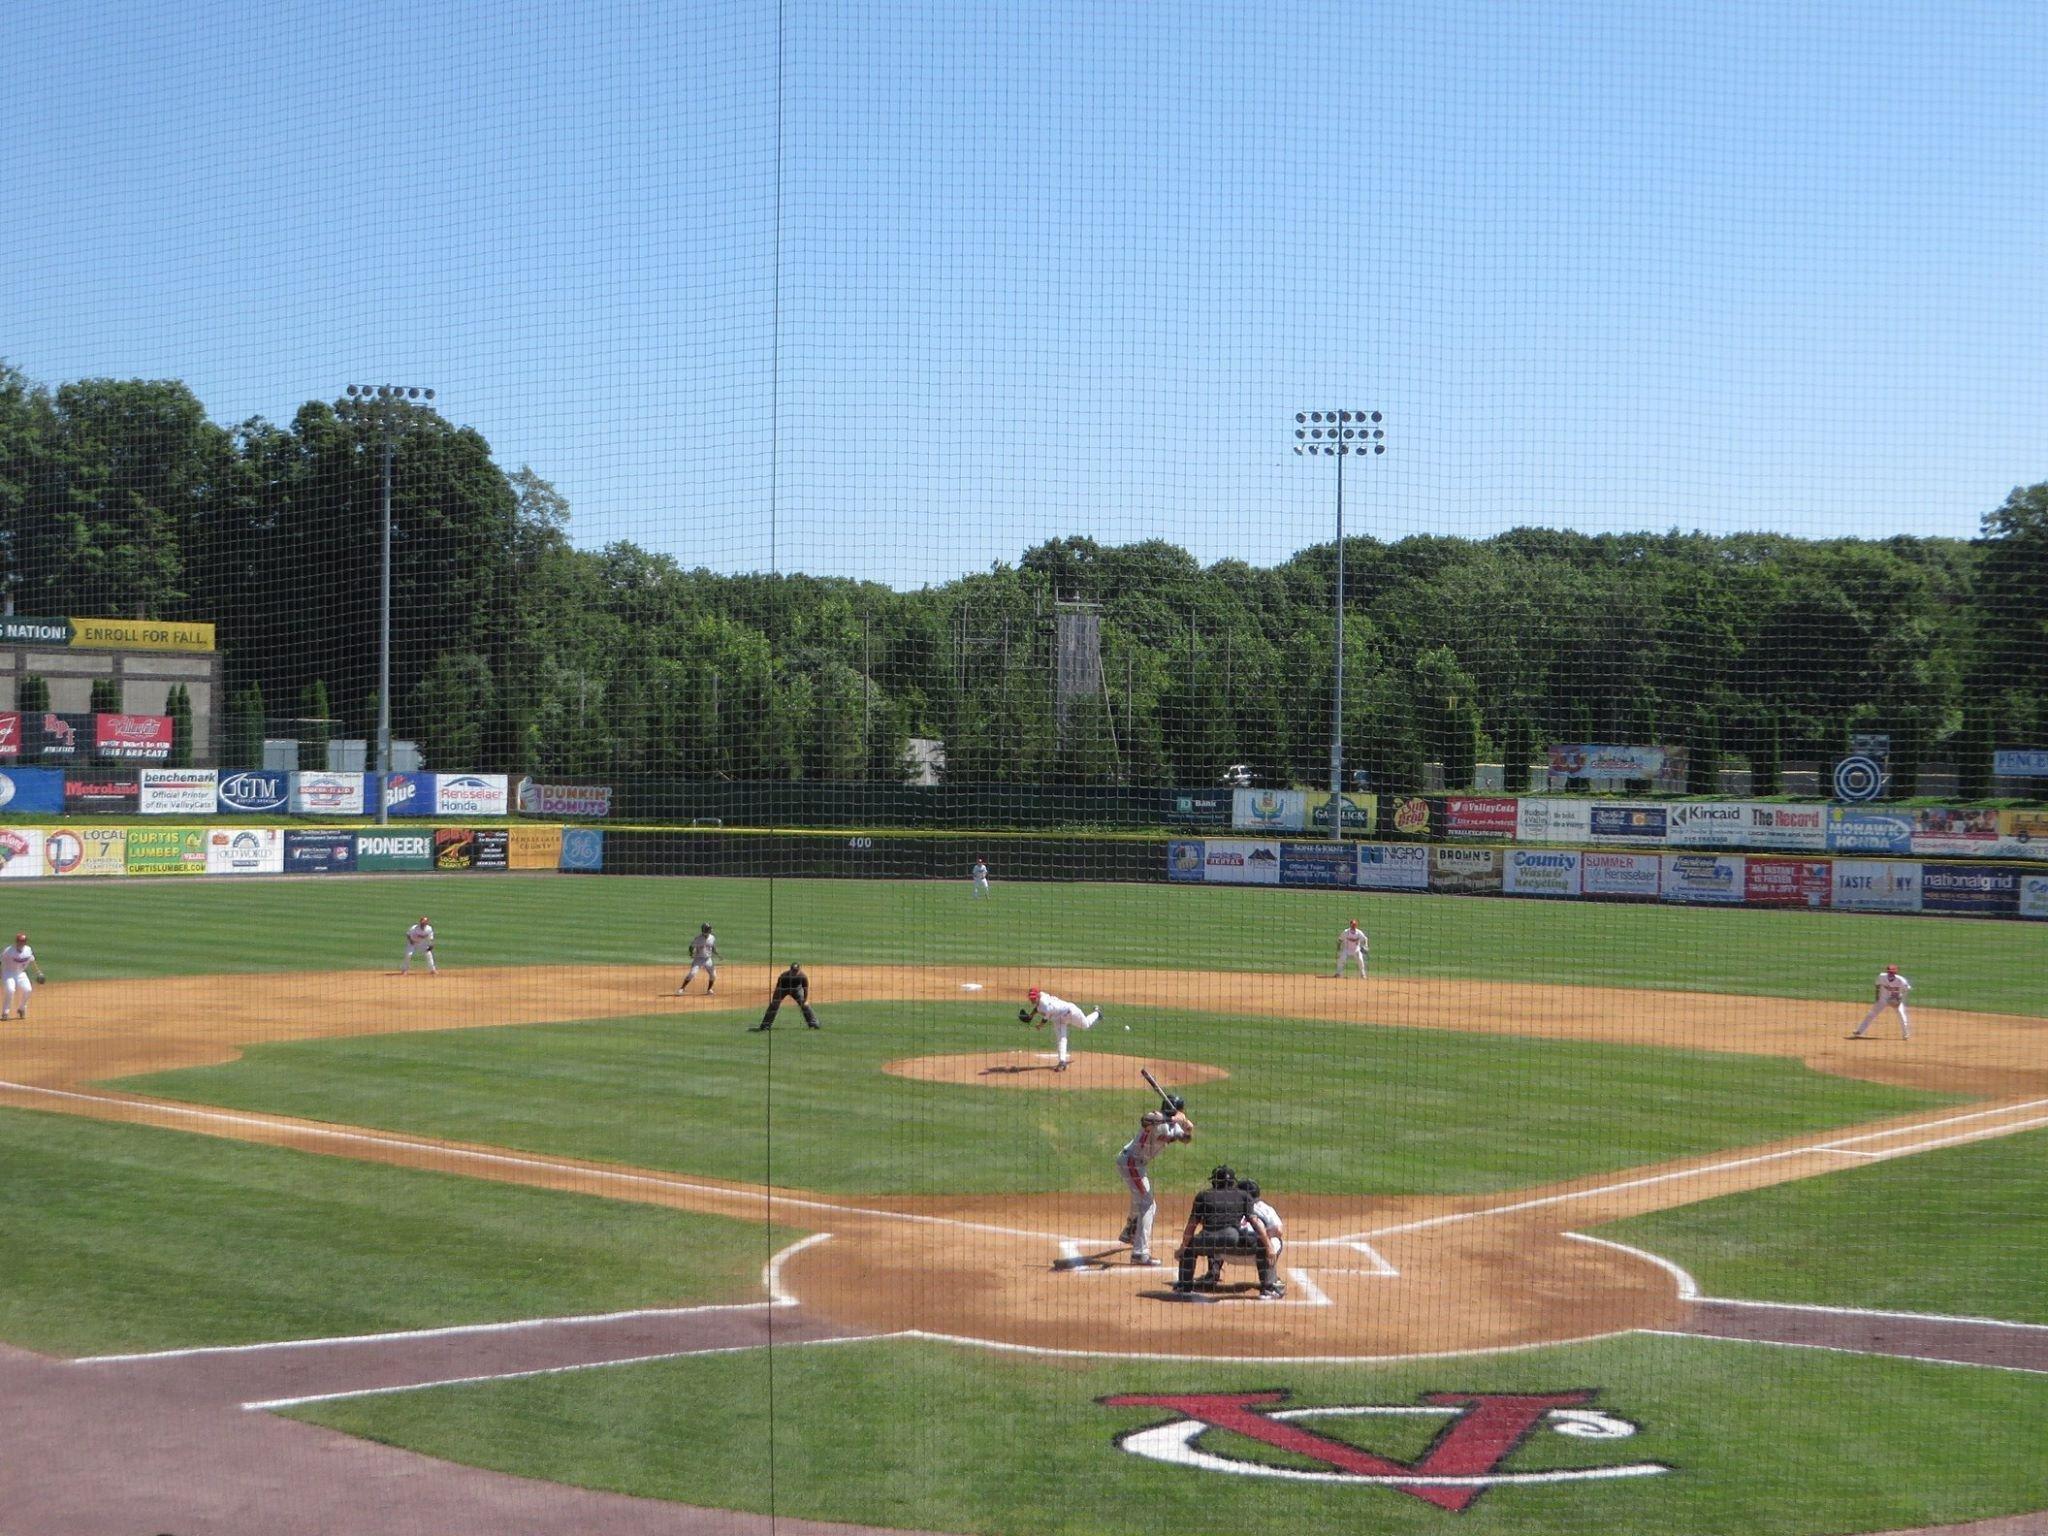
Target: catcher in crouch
column 1225, row 1223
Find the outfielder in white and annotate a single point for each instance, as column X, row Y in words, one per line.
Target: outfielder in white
column 1352, row 944
column 419, row 940
column 1155, row 1129
column 15, row 962
column 1891, row 993
column 703, row 957
column 1061, row 1015
column 979, row 875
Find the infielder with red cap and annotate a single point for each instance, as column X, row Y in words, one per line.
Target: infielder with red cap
column 1351, row 945
column 1058, row 1012
column 419, row 940
column 15, row 961
column 1891, row 993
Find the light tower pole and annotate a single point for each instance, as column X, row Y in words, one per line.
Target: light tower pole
column 1338, row 434
column 385, row 409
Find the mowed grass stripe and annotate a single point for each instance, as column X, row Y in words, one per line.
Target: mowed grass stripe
column 1311, row 1108
column 123, row 1237
column 1960, row 1230
column 163, row 927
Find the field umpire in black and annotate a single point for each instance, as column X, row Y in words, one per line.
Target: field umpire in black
column 1223, row 1222
column 796, row 986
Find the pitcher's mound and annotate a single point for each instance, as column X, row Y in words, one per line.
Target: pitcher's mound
column 1034, row 1069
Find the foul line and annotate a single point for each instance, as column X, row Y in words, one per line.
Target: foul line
column 1838, row 1147
column 1904, row 1317
column 275, row 1403
column 771, row 1282
column 1841, row 1349
column 508, row 1160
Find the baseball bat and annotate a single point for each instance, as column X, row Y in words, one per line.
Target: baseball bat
column 1146, row 1073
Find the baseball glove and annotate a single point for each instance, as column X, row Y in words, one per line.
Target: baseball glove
column 1023, row 1015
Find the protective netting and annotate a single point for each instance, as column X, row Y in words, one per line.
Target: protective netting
column 1027, row 538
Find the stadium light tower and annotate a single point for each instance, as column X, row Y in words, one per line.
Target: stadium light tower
column 1338, row 435
column 385, row 409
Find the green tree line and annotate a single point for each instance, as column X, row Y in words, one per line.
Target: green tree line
column 514, row 649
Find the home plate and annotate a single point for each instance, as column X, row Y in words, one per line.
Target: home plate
column 1196, row 1297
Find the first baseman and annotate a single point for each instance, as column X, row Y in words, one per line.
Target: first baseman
column 1891, row 993
column 15, row 961
column 1352, row 944
column 1156, row 1127
column 419, row 940
column 703, row 957
column 1061, row 1014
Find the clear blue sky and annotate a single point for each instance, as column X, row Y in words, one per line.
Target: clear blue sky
column 1060, row 268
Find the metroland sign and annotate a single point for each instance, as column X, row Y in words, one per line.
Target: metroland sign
column 106, row 634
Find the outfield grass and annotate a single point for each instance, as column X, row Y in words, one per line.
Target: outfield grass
column 123, row 1237
column 1762, row 1442
column 143, row 928
column 1963, row 1230
column 1314, row 1108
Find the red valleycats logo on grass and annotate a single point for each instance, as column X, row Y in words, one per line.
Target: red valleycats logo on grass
column 1478, row 1432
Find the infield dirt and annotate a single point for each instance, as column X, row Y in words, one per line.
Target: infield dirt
column 1371, row 1278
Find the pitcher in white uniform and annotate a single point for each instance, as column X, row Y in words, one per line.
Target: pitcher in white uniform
column 1155, row 1129
column 1891, row 993
column 1352, row 945
column 1061, row 1015
column 15, row 961
column 419, row 940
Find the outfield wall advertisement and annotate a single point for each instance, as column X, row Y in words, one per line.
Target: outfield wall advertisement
column 1269, row 810
column 1393, row 867
column 1690, row 877
column 1467, row 871
column 1774, row 882
column 85, row 851
column 1235, row 861
column 1875, row 885
column 1541, row 872
column 2034, row 896
column 1629, row 876
column 21, row 853
column 1330, row 863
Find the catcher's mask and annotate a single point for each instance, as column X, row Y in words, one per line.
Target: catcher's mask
column 1250, row 1187
column 1224, row 1177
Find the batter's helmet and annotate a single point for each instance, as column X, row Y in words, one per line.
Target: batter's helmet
column 1175, row 1103
column 1222, row 1176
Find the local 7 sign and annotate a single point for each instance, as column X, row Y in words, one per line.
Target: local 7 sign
column 1480, row 1433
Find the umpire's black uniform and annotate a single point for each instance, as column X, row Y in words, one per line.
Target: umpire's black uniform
column 1223, row 1212
column 796, row 986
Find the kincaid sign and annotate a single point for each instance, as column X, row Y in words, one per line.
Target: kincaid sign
column 106, row 634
